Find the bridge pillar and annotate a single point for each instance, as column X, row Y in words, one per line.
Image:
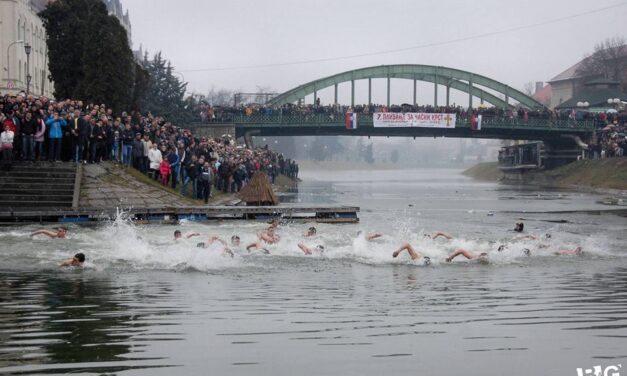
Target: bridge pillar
column 435, row 88
column 388, row 95
column 470, row 95
column 448, row 95
column 315, row 97
column 353, row 93
column 369, row 91
column 248, row 140
column 415, row 92
column 335, row 94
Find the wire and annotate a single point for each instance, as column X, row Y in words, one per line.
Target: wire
column 420, row 46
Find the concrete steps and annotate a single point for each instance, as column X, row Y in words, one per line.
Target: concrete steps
column 37, row 185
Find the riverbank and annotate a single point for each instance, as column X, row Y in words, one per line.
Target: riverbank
column 110, row 185
column 608, row 173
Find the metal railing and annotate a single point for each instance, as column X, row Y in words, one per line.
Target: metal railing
column 365, row 120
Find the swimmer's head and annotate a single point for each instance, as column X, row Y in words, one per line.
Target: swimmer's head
column 502, row 247
column 427, row 260
column 78, row 259
column 547, row 236
column 320, row 248
column 426, row 236
column 235, row 240
column 527, row 252
column 177, row 234
column 201, row 245
column 359, row 232
column 519, row 227
column 311, row 231
column 578, row 250
column 61, row 231
column 484, row 254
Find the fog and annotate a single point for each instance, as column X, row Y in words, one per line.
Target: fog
column 513, row 42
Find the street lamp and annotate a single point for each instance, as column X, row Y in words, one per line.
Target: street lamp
column 27, row 49
column 9, row 59
column 614, row 102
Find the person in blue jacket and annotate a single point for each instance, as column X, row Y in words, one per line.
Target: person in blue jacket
column 54, row 124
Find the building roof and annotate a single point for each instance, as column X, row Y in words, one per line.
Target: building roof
column 569, row 73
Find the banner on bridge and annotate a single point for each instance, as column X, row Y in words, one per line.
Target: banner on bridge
column 413, row 119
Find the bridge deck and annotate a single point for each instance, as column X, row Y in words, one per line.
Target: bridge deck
column 334, row 125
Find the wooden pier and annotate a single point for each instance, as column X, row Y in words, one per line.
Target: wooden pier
column 174, row 214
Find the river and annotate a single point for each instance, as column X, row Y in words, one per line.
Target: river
column 146, row 305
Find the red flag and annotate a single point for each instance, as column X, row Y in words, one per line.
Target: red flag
column 473, row 122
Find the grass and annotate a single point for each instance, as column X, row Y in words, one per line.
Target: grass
column 608, row 173
column 485, row 171
column 149, row 181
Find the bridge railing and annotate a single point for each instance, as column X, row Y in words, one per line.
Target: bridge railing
column 365, row 120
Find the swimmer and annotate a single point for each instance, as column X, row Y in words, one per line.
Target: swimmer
column 467, row 254
column 437, row 235
column 269, row 238
column 309, row 251
column 235, row 240
column 519, row 227
column 310, row 232
column 178, row 235
column 77, row 260
column 274, row 223
column 441, row 234
column 569, row 252
column 214, row 239
column 60, row 234
column 370, row 236
column 412, row 253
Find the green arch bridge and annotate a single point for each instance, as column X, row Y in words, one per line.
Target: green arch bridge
column 564, row 139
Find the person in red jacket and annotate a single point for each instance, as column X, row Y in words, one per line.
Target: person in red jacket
column 164, row 171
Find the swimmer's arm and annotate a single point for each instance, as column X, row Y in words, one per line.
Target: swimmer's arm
column 253, row 245
column 528, row 237
column 373, row 236
column 304, row 248
column 191, row 235
column 66, row 263
column 217, row 239
column 442, row 234
column 44, row 232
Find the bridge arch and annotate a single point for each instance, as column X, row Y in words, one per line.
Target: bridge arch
column 450, row 77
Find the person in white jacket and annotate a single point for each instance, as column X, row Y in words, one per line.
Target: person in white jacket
column 155, row 157
column 6, row 144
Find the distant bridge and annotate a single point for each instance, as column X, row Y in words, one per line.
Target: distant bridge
column 564, row 139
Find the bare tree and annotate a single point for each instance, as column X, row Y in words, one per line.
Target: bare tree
column 220, row 97
column 262, row 94
column 529, row 88
column 609, row 60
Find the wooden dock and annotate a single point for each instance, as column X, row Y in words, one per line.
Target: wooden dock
column 174, row 214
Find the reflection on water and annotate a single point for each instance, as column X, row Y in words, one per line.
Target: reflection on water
column 75, row 322
column 147, row 305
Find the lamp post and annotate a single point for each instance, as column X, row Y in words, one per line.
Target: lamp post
column 27, row 49
column 9, row 58
column 614, row 102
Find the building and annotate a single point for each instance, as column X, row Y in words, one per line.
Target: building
column 20, row 26
column 115, row 9
column 571, row 83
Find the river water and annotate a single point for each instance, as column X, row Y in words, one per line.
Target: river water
column 146, row 305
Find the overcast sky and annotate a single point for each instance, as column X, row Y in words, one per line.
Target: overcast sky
column 201, row 34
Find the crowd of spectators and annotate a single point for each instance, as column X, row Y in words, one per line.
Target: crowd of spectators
column 610, row 133
column 39, row 129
